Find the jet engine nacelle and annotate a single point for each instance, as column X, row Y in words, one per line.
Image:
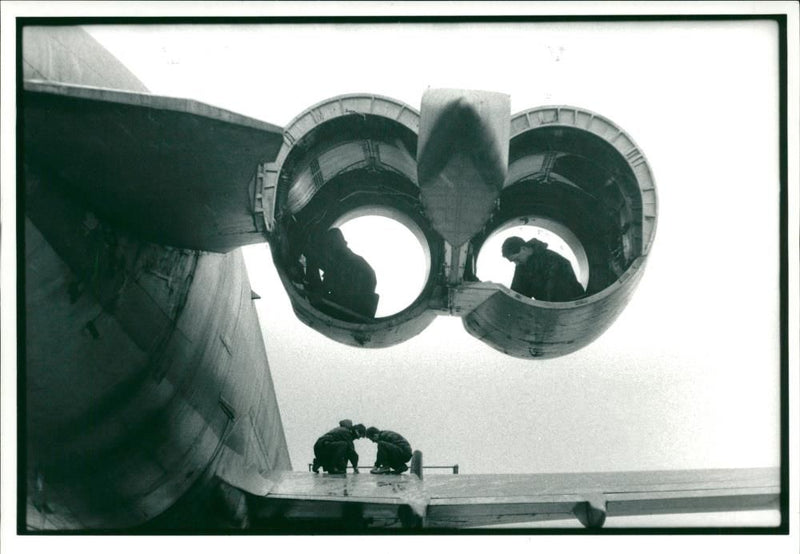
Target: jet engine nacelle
column 580, row 176
column 343, row 158
column 480, row 172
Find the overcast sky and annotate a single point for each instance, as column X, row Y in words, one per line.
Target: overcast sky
column 686, row 378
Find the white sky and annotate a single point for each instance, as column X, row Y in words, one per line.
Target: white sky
column 686, row 378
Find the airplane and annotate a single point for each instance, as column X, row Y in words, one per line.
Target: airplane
column 147, row 397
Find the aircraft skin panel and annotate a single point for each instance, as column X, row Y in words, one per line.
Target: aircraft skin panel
column 136, row 375
column 350, row 499
column 646, row 482
column 526, row 328
column 462, row 158
column 377, row 334
column 257, row 429
column 100, row 427
column 694, row 501
column 457, row 501
column 174, row 171
column 350, row 487
column 145, row 370
column 479, row 514
column 145, row 100
column 470, row 500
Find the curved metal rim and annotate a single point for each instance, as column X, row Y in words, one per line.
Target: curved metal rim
column 287, row 131
column 418, row 312
column 636, row 154
column 606, row 291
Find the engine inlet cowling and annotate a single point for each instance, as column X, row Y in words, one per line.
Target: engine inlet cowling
column 581, row 176
column 567, row 171
column 344, row 158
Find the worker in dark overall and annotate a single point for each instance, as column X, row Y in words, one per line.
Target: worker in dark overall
column 541, row 273
column 348, row 283
column 393, row 451
column 335, row 448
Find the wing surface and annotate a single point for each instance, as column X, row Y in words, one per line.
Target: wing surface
column 474, row 500
column 174, row 171
column 462, row 501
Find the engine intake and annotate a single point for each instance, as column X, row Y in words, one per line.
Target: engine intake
column 569, row 171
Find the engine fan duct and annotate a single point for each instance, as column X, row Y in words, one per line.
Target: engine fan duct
column 346, row 157
column 579, row 171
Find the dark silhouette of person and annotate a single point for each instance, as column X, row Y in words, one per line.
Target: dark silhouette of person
column 541, row 273
column 347, row 286
column 393, row 451
column 335, row 448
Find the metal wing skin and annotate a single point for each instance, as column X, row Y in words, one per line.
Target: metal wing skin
column 450, row 502
column 479, row 500
column 172, row 171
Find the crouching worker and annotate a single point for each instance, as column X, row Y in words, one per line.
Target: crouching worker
column 541, row 274
column 335, row 448
column 393, row 451
column 348, row 282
